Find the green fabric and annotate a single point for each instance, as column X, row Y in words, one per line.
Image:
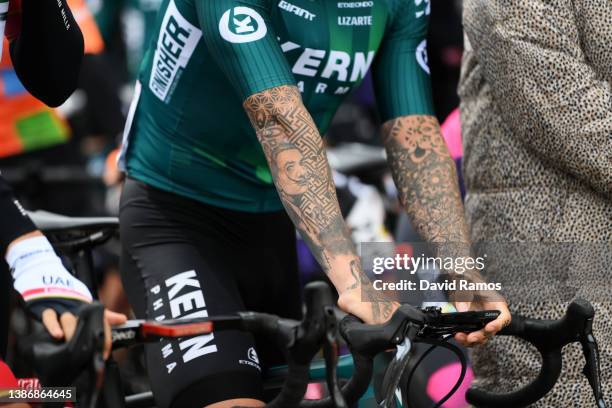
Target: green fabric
column 401, row 73
column 40, row 130
column 190, row 134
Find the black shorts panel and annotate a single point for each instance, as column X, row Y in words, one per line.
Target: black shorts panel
column 182, row 258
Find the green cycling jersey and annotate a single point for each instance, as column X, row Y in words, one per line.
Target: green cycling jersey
column 187, row 132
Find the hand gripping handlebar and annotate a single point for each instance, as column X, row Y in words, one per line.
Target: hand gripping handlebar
column 549, row 337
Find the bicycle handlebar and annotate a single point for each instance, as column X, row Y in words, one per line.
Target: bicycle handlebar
column 549, row 337
column 407, row 324
column 58, row 363
column 428, row 325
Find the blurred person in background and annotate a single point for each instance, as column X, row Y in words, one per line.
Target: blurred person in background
column 127, row 27
column 537, row 127
column 44, row 151
column 46, row 48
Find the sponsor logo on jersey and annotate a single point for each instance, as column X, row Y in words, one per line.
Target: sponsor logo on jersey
column 334, row 65
column 180, row 297
column 354, row 20
column 425, row 10
column 355, row 4
column 242, row 25
column 421, row 56
column 339, row 65
column 300, row 12
column 177, row 41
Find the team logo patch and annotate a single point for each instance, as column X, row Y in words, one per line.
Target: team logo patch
column 421, row 56
column 242, row 25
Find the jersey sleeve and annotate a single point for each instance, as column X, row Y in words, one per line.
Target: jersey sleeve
column 401, row 74
column 240, row 36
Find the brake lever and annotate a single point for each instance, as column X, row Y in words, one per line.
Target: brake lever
column 397, row 366
column 330, row 353
column 591, row 368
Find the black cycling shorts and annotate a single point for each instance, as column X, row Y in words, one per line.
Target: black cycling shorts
column 182, row 258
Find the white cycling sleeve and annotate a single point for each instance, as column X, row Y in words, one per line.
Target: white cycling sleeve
column 39, row 276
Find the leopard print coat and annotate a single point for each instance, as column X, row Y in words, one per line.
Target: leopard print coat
column 536, row 107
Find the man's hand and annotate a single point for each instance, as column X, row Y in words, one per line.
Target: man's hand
column 65, row 326
column 361, row 300
column 482, row 336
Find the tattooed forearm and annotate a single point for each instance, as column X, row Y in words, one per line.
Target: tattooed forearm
column 296, row 155
column 426, row 178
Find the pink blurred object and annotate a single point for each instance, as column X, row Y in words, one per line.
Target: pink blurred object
column 441, row 382
column 314, row 391
column 451, row 130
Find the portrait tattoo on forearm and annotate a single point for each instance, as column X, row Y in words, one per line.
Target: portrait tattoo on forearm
column 296, row 155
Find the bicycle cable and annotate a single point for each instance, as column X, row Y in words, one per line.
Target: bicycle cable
column 449, row 346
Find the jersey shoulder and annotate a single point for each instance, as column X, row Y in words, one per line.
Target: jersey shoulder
column 409, row 17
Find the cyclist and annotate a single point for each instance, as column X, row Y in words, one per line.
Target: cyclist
column 232, row 98
column 46, row 50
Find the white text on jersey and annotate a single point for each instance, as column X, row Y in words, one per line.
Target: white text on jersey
column 346, row 68
column 300, row 12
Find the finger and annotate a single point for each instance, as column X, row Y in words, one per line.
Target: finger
column 49, row 320
column 461, row 338
column 462, row 306
column 476, row 337
column 69, row 322
column 114, row 318
column 108, row 343
column 502, row 321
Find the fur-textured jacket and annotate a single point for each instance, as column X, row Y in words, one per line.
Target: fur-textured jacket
column 536, row 110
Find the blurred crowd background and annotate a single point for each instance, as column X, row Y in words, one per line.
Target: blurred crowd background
column 56, row 158
column 61, row 160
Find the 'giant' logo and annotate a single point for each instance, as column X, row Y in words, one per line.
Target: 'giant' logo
column 242, row 25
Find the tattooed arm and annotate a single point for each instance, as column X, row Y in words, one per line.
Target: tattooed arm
column 296, row 155
column 426, row 179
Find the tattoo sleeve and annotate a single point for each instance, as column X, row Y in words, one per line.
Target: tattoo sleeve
column 426, row 179
column 296, row 155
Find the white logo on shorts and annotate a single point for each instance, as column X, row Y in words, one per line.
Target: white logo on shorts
column 253, row 359
column 246, row 25
column 252, row 355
